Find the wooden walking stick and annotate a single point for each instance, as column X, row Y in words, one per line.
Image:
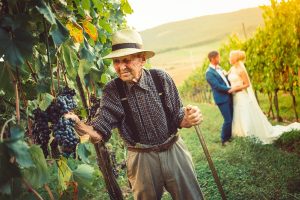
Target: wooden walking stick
column 210, row 162
column 105, row 167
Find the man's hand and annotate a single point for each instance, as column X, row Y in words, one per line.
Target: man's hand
column 192, row 117
column 83, row 129
column 233, row 89
column 72, row 116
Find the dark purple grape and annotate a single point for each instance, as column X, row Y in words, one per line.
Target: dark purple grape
column 65, row 135
column 64, row 103
column 41, row 131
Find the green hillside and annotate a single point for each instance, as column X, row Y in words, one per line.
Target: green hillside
column 182, row 45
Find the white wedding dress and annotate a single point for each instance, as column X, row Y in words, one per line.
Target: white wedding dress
column 248, row 118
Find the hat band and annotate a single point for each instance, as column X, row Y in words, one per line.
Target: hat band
column 126, row 45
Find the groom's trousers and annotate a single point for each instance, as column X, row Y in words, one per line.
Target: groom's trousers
column 227, row 113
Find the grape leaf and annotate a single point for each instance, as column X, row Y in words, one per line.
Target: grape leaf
column 86, row 4
column 90, row 29
column 86, row 51
column 17, row 48
column 83, row 174
column 84, row 68
column 64, row 173
column 46, row 101
column 126, row 7
column 8, row 170
column 19, row 148
column 59, row 33
column 84, row 152
column 45, row 10
column 71, row 61
column 75, row 32
column 105, row 78
column 5, row 82
column 38, row 175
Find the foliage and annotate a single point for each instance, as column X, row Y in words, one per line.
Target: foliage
column 272, row 55
column 48, row 45
column 289, row 141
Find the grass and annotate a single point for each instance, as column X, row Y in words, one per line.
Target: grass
column 247, row 169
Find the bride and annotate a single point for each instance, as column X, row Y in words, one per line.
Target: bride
column 248, row 118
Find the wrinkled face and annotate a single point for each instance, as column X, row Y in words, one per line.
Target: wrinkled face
column 215, row 60
column 129, row 68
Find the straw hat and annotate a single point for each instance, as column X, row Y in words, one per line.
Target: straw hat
column 126, row 42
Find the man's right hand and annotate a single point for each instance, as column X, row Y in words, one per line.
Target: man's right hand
column 83, row 129
column 72, row 116
column 192, row 117
column 232, row 90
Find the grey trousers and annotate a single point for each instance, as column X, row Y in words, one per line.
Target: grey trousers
column 149, row 173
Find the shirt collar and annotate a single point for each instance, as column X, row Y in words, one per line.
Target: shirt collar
column 143, row 82
column 215, row 67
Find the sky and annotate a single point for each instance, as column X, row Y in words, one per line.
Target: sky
column 151, row 13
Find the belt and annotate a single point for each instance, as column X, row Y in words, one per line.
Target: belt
column 156, row 148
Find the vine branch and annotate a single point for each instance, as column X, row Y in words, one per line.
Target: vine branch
column 36, row 194
column 49, row 59
column 47, row 188
column 34, row 75
column 3, row 127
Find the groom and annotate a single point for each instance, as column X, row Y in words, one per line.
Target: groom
column 222, row 93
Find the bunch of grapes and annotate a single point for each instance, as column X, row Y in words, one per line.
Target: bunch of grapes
column 62, row 104
column 66, row 103
column 41, row 131
column 53, row 112
column 63, row 129
column 65, row 136
column 67, row 91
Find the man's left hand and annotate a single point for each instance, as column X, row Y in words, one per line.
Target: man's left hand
column 192, row 117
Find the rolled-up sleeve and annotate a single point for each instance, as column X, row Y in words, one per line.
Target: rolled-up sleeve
column 109, row 114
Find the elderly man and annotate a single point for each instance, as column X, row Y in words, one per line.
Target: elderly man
column 145, row 107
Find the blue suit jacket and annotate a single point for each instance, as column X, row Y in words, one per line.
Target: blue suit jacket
column 218, row 86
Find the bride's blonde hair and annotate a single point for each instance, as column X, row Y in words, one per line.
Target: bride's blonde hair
column 239, row 54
